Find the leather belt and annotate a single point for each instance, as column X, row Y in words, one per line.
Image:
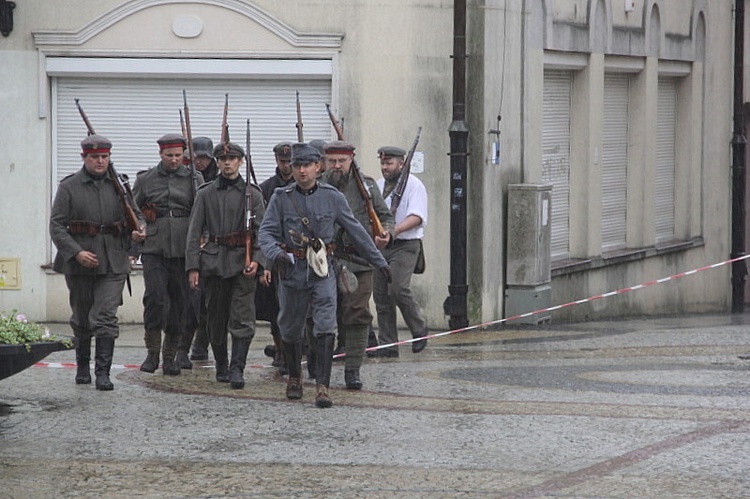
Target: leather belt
column 91, row 229
column 233, row 239
column 301, row 253
column 172, row 213
column 400, row 241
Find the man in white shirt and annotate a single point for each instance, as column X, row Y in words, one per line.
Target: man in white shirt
column 402, row 254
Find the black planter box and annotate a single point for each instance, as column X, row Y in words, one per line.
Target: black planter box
column 16, row 358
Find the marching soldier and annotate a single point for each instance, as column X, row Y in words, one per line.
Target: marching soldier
column 411, row 218
column 88, row 227
column 165, row 195
column 296, row 234
column 229, row 284
column 354, row 316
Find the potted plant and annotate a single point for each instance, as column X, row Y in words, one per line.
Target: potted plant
column 24, row 343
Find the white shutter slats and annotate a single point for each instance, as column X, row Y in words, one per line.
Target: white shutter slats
column 556, row 156
column 133, row 113
column 665, row 160
column 614, row 161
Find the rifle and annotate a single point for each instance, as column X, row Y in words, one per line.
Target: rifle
column 189, row 137
column 225, row 125
column 249, row 172
column 403, row 177
column 300, row 135
column 375, row 226
column 120, row 182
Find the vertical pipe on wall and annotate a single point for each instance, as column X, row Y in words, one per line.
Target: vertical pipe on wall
column 739, row 174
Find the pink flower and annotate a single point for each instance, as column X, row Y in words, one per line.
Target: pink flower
column 22, row 318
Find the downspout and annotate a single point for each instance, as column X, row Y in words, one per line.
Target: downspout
column 739, row 174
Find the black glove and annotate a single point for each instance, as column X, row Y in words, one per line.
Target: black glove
column 283, row 264
column 386, row 271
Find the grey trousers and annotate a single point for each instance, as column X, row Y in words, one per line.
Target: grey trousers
column 94, row 300
column 401, row 256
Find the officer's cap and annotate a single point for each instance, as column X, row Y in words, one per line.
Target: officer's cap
column 95, row 144
column 319, row 145
column 283, row 150
column 232, row 149
column 339, row 147
column 391, row 152
column 203, row 146
column 303, row 154
column 171, row 140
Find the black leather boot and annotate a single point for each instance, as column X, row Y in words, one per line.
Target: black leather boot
column 105, row 347
column 183, row 348
column 293, row 356
column 83, row 359
column 169, row 350
column 221, row 361
column 240, row 347
column 352, row 379
column 152, row 338
column 324, row 361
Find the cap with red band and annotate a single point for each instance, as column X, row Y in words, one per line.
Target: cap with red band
column 339, row 147
column 95, row 144
column 171, row 140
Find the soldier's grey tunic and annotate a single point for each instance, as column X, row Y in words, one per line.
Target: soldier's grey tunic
column 170, row 195
column 218, row 212
column 95, row 294
column 326, row 208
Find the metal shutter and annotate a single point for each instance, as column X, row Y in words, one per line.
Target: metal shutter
column 665, row 160
column 556, row 155
column 133, row 113
column 615, row 161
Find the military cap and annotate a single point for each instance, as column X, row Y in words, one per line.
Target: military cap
column 283, row 150
column 391, row 152
column 232, row 150
column 339, row 147
column 95, row 144
column 171, row 140
column 319, row 145
column 203, row 146
column 303, row 154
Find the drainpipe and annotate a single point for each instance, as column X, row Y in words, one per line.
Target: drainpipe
column 455, row 305
column 739, row 146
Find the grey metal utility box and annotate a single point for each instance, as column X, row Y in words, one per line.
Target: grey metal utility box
column 528, row 265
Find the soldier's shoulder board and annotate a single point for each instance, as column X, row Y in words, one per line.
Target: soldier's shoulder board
column 206, row 184
column 68, row 176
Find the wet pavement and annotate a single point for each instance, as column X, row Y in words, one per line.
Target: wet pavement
column 653, row 407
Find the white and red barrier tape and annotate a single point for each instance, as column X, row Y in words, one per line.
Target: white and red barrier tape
column 484, row 324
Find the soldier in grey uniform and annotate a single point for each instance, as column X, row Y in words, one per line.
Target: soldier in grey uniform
column 266, row 298
column 300, row 223
column 354, row 316
column 165, row 195
column 89, row 229
column 203, row 149
column 229, row 283
column 411, row 218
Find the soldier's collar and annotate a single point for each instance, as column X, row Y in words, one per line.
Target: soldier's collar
column 306, row 192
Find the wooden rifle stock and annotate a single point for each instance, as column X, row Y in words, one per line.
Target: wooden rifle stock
column 188, row 134
column 249, row 173
column 375, row 226
column 122, row 187
column 300, row 134
column 403, row 178
column 225, row 125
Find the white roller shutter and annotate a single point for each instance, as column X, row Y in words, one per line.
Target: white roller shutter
column 134, row 112
column 665, row 160
column 556, row 155
column 615, row 161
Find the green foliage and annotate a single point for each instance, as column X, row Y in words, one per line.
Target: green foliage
column 16, row 329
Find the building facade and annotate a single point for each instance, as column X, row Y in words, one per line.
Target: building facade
column 624, row 107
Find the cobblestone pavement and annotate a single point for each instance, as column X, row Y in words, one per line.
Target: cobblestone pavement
column 654, row 407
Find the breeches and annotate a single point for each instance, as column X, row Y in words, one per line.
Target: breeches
column 230, row 307
column 94, row 300
column 166, row 300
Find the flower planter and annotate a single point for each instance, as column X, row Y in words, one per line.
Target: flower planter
column 16, row 358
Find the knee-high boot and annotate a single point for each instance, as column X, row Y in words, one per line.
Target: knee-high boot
column 105, row 347
column 83, row 359
column 240, row 347
column 152, row 338
column 356, row 342
column 168, row 352
column 221, row 361
column 183, row 349
column 293, row 356
column 324, row 361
